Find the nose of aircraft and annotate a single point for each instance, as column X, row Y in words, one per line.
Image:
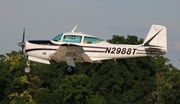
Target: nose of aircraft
column 22, row 44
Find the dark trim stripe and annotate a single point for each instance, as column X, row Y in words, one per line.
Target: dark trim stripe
column 48, row 42
column 83, row 46
column 42, row 42
column 147, row 50
column 152, row 53
column 94, row 51
column 37, row 49
column 94, row 47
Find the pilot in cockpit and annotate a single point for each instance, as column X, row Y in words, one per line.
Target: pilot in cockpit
column 72, row 39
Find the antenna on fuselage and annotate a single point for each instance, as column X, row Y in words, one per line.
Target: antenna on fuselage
column 74, row 28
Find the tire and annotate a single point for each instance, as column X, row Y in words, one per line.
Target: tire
column 69, row 70
column 27, row 69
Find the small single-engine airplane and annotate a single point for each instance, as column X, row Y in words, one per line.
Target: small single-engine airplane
column 79, row 47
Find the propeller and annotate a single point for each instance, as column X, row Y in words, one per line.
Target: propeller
column 22, row 44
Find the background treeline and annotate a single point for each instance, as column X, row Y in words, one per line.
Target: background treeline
column 145, row 80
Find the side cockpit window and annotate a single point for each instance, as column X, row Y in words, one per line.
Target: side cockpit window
column 72, row 38
column 91, row 40
column 57, row 38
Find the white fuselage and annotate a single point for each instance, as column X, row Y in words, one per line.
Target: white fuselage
column 94, row 49
column 99, row 51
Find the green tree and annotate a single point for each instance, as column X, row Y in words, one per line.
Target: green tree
column 13, row 81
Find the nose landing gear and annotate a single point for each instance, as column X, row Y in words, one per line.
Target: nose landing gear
column 27, row 69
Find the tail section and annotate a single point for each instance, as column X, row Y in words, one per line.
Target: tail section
column 156, row 38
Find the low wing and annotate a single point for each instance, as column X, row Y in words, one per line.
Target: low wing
column 75, row 52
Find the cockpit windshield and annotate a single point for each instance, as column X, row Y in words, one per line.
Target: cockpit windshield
column 72, row 38
column 91, row 40
column 76, row 39
column 58, row 37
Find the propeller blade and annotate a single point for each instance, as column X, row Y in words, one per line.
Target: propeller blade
column 23, row 40
column 22, row 44
column 23, row 35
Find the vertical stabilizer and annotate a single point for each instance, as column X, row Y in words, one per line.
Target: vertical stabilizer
column 157, row 37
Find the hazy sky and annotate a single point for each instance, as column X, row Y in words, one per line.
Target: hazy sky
column 44, row 19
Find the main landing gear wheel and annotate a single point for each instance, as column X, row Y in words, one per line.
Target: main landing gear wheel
column 27, row 69
column 69, row 70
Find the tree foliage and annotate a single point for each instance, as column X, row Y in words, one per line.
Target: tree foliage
column 134, row 80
